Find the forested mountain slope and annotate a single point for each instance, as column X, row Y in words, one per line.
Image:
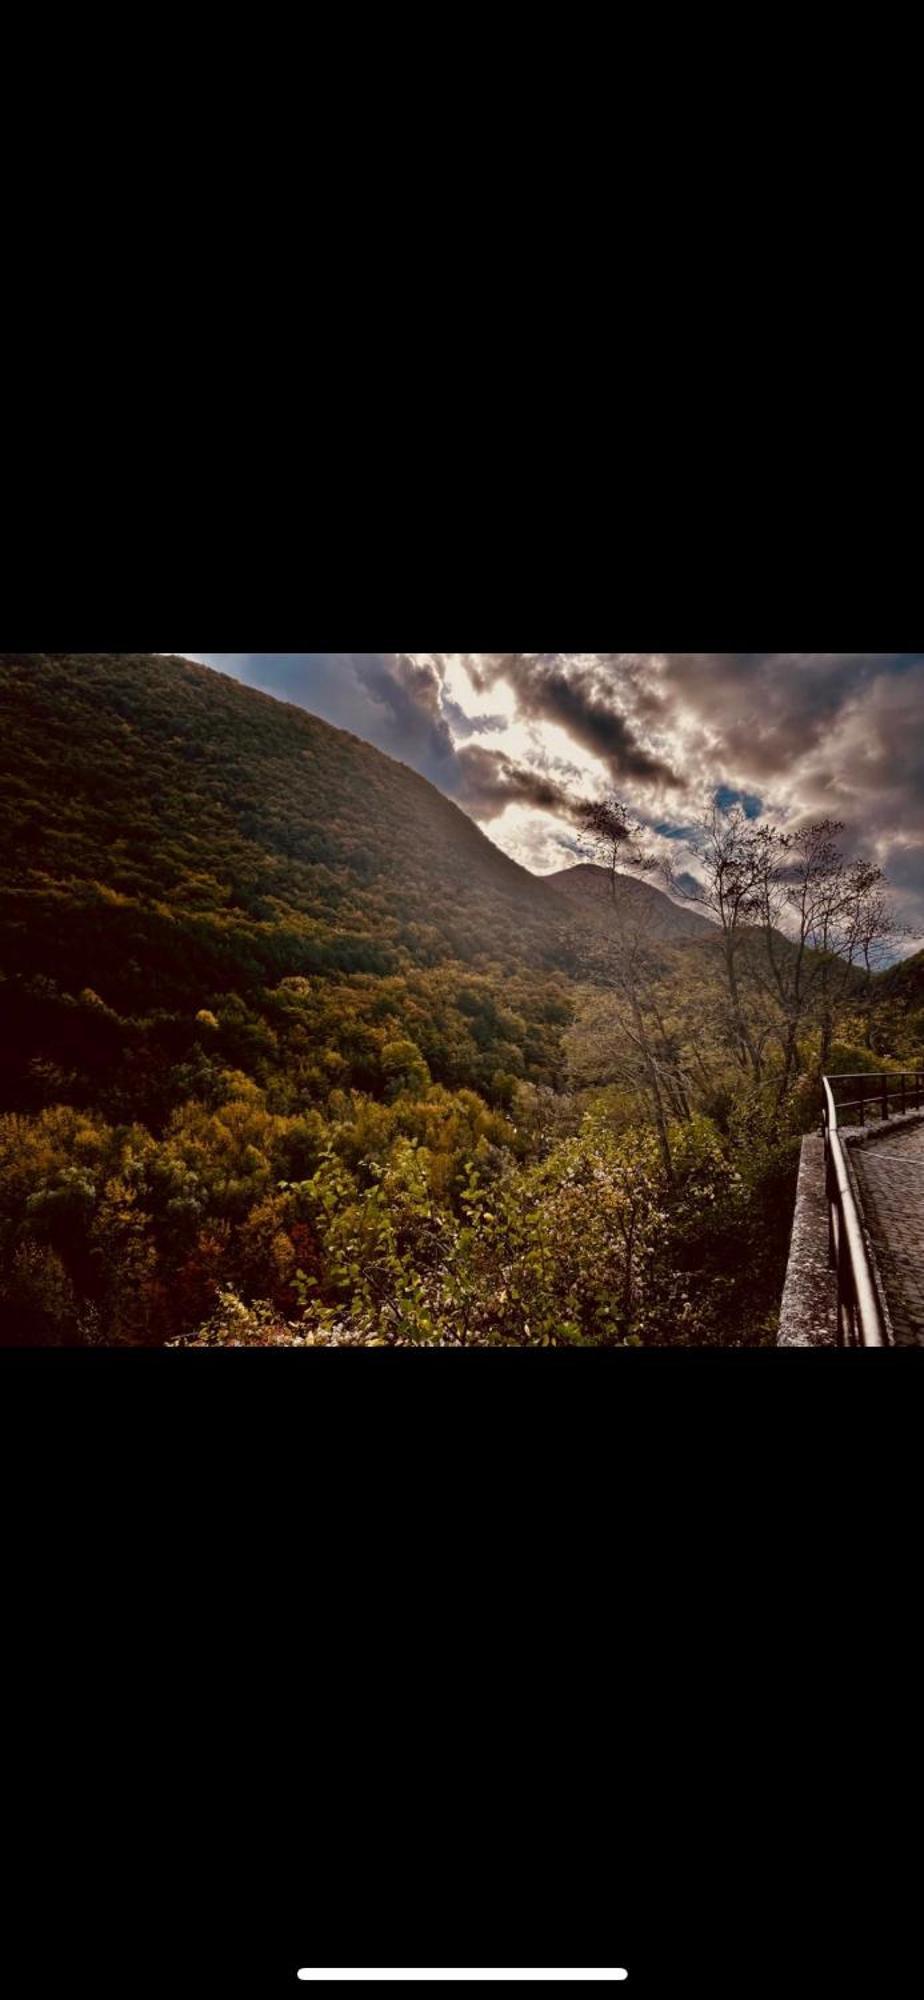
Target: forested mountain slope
column 147, row 795
column 903, row 983
column 173, row 842
column 896, row 1012
column 587, row 887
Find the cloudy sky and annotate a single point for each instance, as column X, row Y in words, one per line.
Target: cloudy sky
column 517, row 738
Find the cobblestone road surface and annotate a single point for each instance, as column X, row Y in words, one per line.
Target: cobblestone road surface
column 890, row 1178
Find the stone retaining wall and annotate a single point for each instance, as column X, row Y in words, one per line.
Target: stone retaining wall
column 808, row 1313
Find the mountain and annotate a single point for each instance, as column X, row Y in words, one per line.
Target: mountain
column 162, row 793
column 903, row 982
column 149, row 803
column 587, row 887
column 895, row 1002
column 193, row 874
column 178, row 849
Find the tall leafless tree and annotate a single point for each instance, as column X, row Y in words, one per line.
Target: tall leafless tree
column 651, row 1059
column 729, row 855
column 823, row 918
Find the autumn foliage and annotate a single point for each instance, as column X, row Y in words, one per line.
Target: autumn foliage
column 291, row 1054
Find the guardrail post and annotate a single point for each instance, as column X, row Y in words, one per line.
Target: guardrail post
column 903, row 1093
column 885, row 1095
column 862, row 1100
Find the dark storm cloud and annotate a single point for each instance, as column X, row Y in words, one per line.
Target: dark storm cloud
column 487, row 782
column 463, row 725
column 586, row 703
column 586, row 698
column 405, row 695
column 765, row 709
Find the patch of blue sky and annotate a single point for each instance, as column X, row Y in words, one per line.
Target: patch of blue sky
column 672, row 830
column 751, row 805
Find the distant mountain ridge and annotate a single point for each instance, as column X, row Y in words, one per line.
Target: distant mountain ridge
column 588, row 885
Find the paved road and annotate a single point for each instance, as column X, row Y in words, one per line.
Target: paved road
column 890, row 1177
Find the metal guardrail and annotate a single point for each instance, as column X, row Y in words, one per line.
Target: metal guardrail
column 860, row 1320
column 882, row 1093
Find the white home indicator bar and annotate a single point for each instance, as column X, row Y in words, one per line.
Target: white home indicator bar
column 468, row 1973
